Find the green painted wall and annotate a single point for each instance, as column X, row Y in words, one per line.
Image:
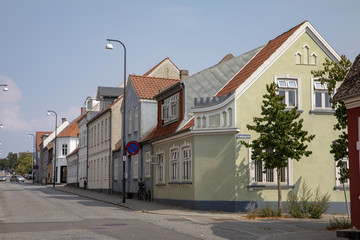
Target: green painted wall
column 215, row 169
column 172, row 191
column 319, row 168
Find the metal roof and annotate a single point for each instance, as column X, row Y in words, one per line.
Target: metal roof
column 209, row 81
column 111, row 92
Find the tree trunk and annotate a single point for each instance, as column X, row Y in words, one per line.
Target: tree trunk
column 279, row 190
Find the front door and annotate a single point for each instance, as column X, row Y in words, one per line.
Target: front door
column 63, row 174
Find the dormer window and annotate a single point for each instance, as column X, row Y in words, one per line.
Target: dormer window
column 170, row 108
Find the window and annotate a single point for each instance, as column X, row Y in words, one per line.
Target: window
column 98, row 134
column 130, row 121
column 135, row 171
column 345, row 165
column 94, row 135
column 321, row 98
column 116, row 169
column 306, row 54
column 102, row 131
column 289, row 89
column 186, row 164
column 313, row 58
column 147, row 164
column 106, row 128
column 298, row 58
column 64, row 150
column 174, row 165
column 136, row 112
column 170, row 108
column 260, row 176
column 160, row 171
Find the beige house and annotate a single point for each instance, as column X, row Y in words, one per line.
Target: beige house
column 103, row 132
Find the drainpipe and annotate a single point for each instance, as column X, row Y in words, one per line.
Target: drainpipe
column 87, row 156
column 110, row 155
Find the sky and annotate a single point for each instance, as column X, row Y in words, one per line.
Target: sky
column 53, row 56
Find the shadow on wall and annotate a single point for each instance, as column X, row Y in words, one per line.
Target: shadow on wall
column 246, row 199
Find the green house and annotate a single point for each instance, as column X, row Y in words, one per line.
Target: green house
column 198, row 161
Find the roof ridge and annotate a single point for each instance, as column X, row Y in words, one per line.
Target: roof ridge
column 142, row 76
column 153, row 69
column 257, row 61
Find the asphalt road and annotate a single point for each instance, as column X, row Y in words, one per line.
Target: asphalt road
column 30, row 211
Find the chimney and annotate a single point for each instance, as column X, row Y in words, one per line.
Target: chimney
column 184, row 74
column 83, row 109
column 63, row 120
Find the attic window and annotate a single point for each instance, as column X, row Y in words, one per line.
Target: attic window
column 170, row 109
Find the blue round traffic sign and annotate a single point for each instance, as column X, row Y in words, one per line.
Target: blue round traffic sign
column 133, row 147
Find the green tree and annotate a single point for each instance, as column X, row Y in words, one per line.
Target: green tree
column 333, row 74
column 24, row 164
column 281, row 136
column 13, row 158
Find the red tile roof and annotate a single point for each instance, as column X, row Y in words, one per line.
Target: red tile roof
column 148, row 87
column 256, row 62
column 72, row 130
column 157, row 65
column 38, row 138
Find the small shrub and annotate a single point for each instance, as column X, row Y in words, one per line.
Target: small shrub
column 319, row 204
column 306, row 205
column 339, row 223
column 267, row 211
column 294, row 206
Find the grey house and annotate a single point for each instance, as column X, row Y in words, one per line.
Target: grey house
column 141, row 117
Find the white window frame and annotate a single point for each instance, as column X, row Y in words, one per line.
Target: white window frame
column 337, row 173
column 186, row 163
column 160, row 168
column 130, row 122
column 264, row 175
column 148, row 164
column 317, row 87
column 170, row 108
column 116, row 168
column 174, row 166
column 135, row 166
column 64, row 149
column 291, row 83
column 136, row 119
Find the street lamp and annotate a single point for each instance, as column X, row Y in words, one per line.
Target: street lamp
column 1, row 125
column 32, row 162
column 54, row 162
column 5, row 89
column 110, row 46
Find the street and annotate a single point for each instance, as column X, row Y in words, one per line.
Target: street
column 41, row 212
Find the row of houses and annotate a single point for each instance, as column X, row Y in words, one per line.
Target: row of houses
column 189, row 129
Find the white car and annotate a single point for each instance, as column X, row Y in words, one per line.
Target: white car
column 17, row 178
column 2, row 178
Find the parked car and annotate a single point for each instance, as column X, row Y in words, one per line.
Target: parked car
column 2, row 178
column 17, row 178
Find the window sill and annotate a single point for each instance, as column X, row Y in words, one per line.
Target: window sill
column 340, row 188
column 170, row 121
column 270, row 187
column 289, row 109
column 160, row 185
column 179, row 183
column 322, row 111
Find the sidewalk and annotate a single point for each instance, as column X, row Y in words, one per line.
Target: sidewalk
column 143, row 206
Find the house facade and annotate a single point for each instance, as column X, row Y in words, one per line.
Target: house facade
column 46, row 154
column 65, row 143
column 91, row 106
column 103, row 132
column 200, row 162
column 140, row 119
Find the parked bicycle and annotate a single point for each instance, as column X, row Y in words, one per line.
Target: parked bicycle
column 142, row 194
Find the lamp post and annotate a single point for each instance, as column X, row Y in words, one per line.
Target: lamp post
column 32, row 162
column 5, row 89
column 54, row 162
column 110, row 46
